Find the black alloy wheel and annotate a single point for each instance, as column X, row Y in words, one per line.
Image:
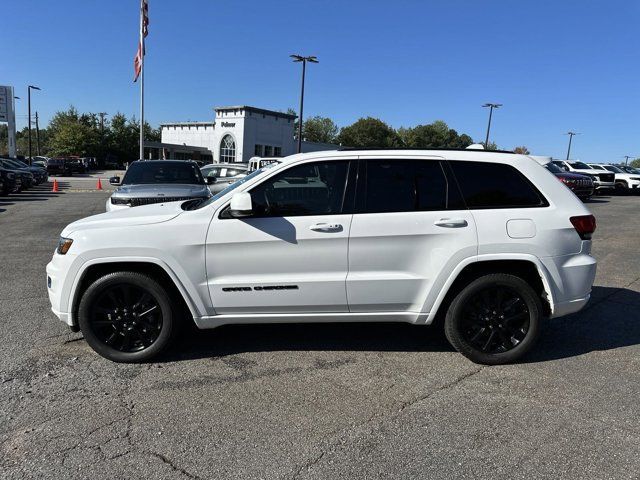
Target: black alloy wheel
column 494, row 320
column 127, row 317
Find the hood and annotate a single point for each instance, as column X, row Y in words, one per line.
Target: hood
column 127, row 217
column 161, row 189
column 574, row 176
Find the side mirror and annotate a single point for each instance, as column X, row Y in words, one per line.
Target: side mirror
column 114, row 181
column 241, row 205
column 211, row 180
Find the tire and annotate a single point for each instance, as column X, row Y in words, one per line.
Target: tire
column 475, row 322
column 622, row 188
column 126, row 327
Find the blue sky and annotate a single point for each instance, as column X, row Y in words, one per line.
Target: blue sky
column 555, row 65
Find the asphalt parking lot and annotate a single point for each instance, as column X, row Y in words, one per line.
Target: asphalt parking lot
column 314, row 401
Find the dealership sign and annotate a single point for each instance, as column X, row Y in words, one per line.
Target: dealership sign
column 7, row 114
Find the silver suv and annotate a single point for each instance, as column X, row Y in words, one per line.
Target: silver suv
column 220, row 175
column 157, row 181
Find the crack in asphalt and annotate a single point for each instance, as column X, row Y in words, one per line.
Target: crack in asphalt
column 174, row 467
column 379, row 416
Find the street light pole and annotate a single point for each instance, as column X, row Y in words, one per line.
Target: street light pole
column 571, row 134
column 304, row 60
column 491, row 107
column 29, row 116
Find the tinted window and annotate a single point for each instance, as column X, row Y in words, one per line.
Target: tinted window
column 580, row 165
column 404, row 186
column 309, row 189
column 162, row 172
column 611, row 168
column 552, row 167
column 495, row 185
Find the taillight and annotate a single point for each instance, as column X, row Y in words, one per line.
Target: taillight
column 585, row 225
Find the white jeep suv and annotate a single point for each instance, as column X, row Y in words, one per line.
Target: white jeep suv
column 625, row 181
column 487, row 244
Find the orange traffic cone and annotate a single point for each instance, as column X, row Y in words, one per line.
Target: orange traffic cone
column 99, row 185
column 55, row 186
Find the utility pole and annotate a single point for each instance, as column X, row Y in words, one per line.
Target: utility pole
column 37, row 135
column 571, row 134
column 102, row 115
column 304, row 60
column 491, row 107
column 626, row 159
column 29, row 88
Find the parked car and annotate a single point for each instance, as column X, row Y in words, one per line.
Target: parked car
column 157, row 181
column 581, row 185
column 59, row 166
column 602, row 181
column 258, row 162
column 221, row 175
column 625, row 182
column 629, row 169
column 25, row 176
column 490, row 242
column 39, row 174
column 39, row 161
column 11, row 181
column 77, row 165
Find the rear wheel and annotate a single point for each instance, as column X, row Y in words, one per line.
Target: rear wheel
column 127, row 317
column 494, row 320
column 622, row 187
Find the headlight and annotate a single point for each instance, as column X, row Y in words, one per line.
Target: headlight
column 120, row 201
column 63, row 245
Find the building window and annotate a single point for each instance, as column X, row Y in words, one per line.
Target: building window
column 227, row 149
column 258, row 150
column 277, row 151
column 268, row 151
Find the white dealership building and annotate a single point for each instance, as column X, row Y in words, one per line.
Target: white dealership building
column 237, row 134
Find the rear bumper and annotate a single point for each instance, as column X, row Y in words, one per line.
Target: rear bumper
column 570, row 279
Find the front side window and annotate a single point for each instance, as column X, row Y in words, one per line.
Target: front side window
column 310, row 189
column 495, row 185
column 613, row 169
column 404, row 186
column 227, row 149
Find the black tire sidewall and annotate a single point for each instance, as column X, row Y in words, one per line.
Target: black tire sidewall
column 141, row 281
column 453, row 320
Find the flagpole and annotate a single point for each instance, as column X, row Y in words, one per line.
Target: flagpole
column 141, row 157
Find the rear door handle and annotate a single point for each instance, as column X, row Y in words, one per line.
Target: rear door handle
column 326, row 227
column 451, row 222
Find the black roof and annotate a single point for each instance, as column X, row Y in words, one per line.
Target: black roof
column 348, row 149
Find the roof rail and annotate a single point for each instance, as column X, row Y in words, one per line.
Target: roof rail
column 348, row 149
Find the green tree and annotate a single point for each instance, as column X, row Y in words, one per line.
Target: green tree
column 635, row 163
column 491, row 146
column 73, row 134
column 369, row 133
column 521, row 150
column 435, row 135
column 319, row 129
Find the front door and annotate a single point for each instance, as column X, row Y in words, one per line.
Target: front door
column 409, row 227
column 291, row 255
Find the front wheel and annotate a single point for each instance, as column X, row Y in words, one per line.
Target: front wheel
column 494, row 320
column 127, row 317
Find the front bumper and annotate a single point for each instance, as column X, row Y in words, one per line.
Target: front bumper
column 605, row 185
column 57, row 269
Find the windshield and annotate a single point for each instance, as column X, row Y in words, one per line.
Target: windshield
column 580, row 166
column 231, row 187
column 553, row 168
column 611, row 168
column 146, row 173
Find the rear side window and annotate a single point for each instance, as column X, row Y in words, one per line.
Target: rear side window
column 495, row 185
column 396, row 185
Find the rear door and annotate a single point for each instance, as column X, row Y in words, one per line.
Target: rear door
column 409, row 230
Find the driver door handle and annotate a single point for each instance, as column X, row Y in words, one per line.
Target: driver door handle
column 326, row 227
column 451, row 222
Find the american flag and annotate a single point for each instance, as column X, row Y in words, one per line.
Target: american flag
column 144, row 31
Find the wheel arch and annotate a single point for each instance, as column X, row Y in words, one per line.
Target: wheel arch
column 526, row 267
column 164, row 275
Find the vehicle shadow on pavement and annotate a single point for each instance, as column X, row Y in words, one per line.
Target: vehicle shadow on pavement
column 374, row 337
column 611, row 320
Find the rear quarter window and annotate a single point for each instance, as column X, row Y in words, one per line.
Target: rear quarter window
column 495, row 185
